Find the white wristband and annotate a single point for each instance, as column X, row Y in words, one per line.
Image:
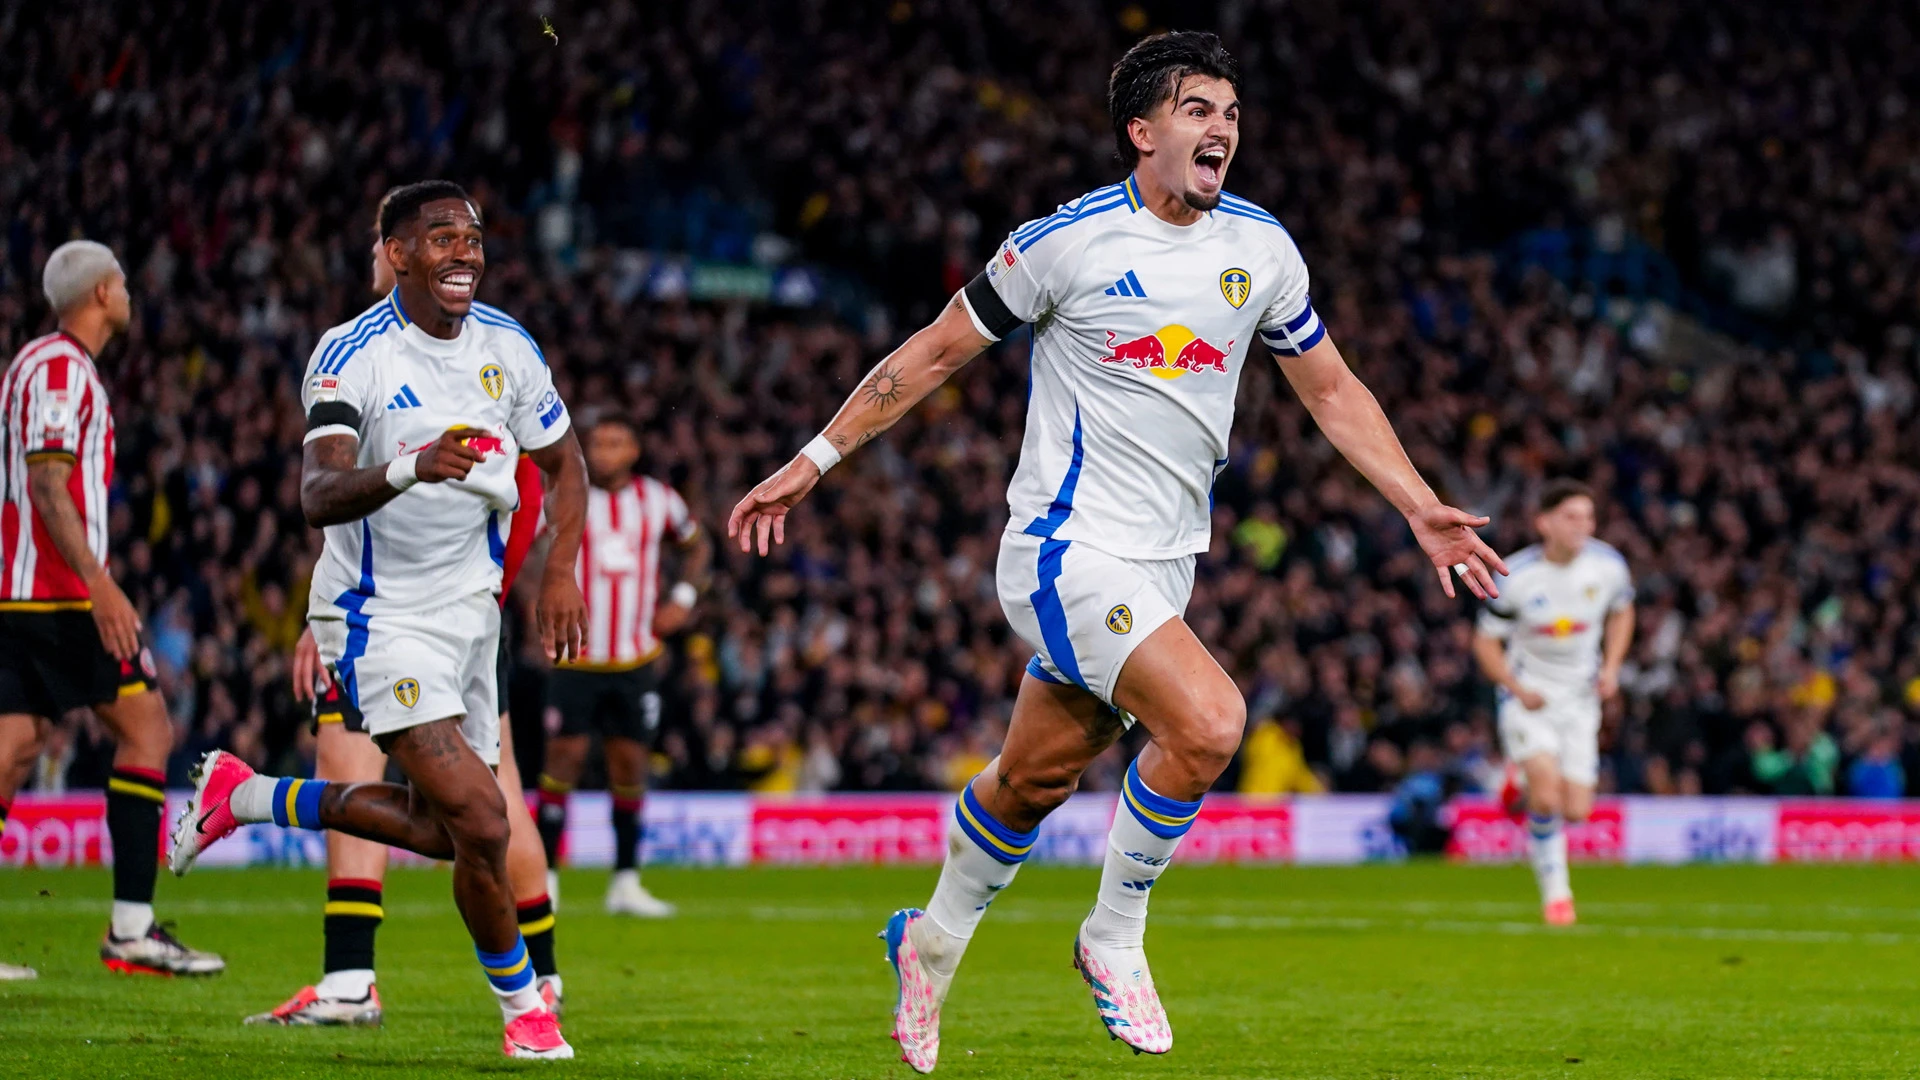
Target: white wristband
column 684, row 594
column 400, row 471
column 821, row 453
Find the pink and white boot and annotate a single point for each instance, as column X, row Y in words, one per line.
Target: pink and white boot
column 916, row 1011
column 209, row 813
column 535, row 1035
column 1123, row 993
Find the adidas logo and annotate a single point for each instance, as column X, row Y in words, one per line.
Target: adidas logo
column 405, row 399
column 1126, row 286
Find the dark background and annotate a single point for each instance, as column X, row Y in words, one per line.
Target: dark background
column 1667, row 248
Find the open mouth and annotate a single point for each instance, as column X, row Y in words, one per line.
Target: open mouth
column 458, row 284
column 1209, row 164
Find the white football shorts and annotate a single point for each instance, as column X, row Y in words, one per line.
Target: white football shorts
column 1567, row 727
column 1085, row 611
column 404, row 670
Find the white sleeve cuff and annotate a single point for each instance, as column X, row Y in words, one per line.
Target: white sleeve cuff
column 330, row 429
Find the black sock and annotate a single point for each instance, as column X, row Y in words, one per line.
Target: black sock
column 552, row 818
column 627, row 803
column 136, row 800
column 353, row 914
column 536, row 926
column 4, row 807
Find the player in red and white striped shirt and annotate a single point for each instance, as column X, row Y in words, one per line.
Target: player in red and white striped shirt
column 69, row 638
column 615, row 689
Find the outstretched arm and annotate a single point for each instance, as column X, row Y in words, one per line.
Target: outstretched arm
column 895, row 385
column 1350, row 417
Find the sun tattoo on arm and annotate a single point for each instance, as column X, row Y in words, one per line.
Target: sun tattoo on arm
column 884, row 388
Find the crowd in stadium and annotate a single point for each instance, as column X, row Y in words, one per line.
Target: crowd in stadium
column 1764, row 492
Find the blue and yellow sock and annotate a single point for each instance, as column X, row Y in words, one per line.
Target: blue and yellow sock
column 982, row 856
column 1147, row 827
column 510, row 974
column 296, row 802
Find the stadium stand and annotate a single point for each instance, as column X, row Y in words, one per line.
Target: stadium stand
column 1542, row 269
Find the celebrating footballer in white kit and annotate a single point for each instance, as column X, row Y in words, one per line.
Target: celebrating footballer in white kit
column 1145, row 299
column 1553, row 644
column 417, row 412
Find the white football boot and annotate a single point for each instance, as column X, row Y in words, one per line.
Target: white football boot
column 626, row 896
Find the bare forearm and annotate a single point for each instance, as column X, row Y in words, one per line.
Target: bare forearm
column 906, row 376
column 1618, row 638
column 333, row 490
column 1354, row 423
column 695, row 558
column 565, row 474
column 47, row 487
column 1491, row 654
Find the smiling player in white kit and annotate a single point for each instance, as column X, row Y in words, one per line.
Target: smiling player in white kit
column 416, row 414
column 1553, row 644
column 1145, row 298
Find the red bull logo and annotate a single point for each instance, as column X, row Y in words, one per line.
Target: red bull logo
column 486, row 444
column 1168, row 353
column 1561, row 627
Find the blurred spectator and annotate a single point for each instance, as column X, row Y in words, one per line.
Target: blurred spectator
column 1805, row 762
column 1272, row 762
column 1418, row 814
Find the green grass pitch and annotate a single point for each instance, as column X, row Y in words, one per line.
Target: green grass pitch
column 1413, row 971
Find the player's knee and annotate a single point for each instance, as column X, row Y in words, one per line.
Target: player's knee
column 1212, row 735
column 144, row 731
column 1040, row 791
column 479, row 822
column 1544, row 803
column 21, row 743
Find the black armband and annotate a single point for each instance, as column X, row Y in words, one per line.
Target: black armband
column 987, row 307
column 333, row 413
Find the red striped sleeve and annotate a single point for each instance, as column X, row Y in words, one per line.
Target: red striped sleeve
column 524, row 528
column 50, row 407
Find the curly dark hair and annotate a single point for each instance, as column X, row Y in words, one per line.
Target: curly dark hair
column 403, row 203
column 1151, row 71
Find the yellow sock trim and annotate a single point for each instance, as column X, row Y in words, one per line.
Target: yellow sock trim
column 139, row 791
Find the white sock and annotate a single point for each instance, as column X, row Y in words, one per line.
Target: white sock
column 1547, row 848
column 131, row 920
column 252, row 801
column 516, row 1003
column 349, row 985
column 621, row 877
column 982, row 857
column 1147, row 827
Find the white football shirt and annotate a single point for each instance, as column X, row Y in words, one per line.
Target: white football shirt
column 396, row 388
column 1140, row 328
column 1553, row 615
